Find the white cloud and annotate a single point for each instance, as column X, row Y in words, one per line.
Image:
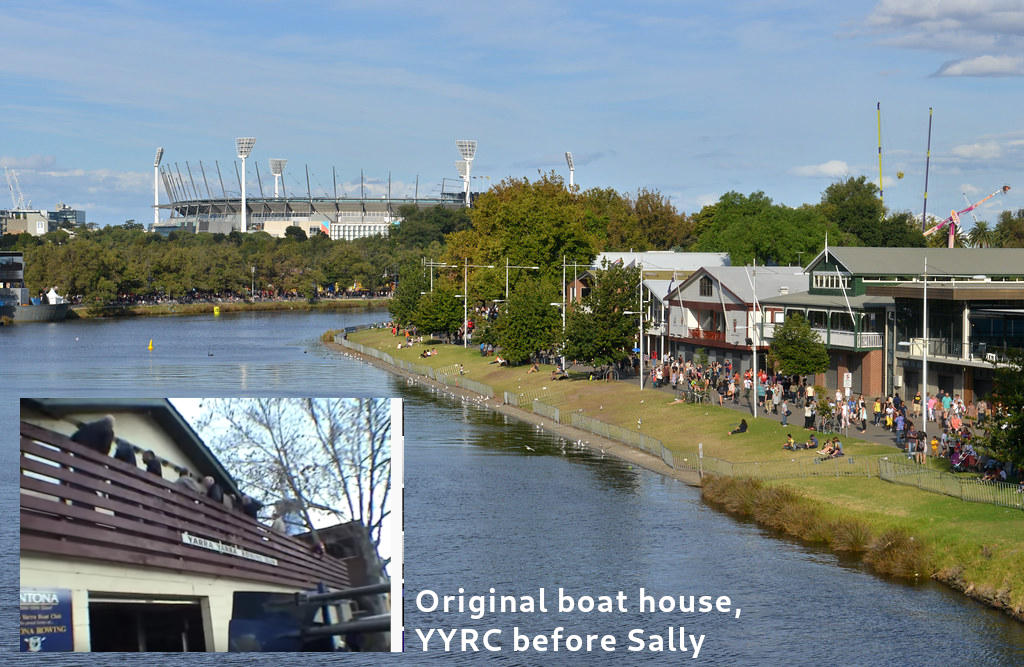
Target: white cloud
column 707, row 199
column 984, row 66
column 28, row 161
column 830, row 169
column 987, row 150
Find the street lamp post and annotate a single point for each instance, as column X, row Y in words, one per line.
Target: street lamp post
column 252, row 288
column 465, row 294
column 431, row 264
column 641, row 314
column 244, row 147
column 507, row 267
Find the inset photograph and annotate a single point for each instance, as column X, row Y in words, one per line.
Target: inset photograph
column 220, row 524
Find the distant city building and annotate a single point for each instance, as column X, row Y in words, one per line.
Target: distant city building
column 39, row 222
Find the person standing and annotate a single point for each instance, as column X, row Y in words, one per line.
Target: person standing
column 784, row 409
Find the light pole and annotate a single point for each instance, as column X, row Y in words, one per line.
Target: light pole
column 465, row 295
column 467, row 149
column 572, row 168
column 641, row 314
column 244, row 147
column 277, row 169
column 431, row 264
column 252, row 288
column 924, row 354
column 507, row 267
column 156, row 191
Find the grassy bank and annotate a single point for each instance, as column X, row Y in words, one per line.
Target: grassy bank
column 897, row 530
column 164, row 310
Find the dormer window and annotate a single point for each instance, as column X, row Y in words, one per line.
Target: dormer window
column 830, row 281
column 705, row 286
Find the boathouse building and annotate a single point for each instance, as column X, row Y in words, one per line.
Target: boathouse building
column 115, row 558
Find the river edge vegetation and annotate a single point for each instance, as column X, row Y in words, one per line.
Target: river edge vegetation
column 896, row 530
column 225, row 307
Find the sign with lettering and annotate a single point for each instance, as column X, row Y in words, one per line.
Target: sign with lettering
column 229, row 549
column 46, row 620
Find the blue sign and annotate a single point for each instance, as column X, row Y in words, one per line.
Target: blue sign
column 46, row 620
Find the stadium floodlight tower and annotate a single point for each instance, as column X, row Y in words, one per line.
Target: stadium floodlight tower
column 572, row 168
column 244, row 146
column 156, row 178
column 277, row 168
column 467, row 149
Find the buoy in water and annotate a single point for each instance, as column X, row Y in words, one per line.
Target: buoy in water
column 216, row 311
column 150, row 348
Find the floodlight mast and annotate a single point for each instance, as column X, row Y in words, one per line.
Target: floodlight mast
column 244, row 147
column 277, row 169
column 572, row 168
column 156, row 179
column 467, row 149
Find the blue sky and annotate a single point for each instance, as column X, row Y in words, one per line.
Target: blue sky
column 689, row 98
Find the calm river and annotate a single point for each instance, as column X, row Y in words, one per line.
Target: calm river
column 493, row 503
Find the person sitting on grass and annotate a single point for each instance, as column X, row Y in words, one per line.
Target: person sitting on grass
column 742, row 428
column 812, row 442
column 790, row 445
column 827, row 451
column 533, row 369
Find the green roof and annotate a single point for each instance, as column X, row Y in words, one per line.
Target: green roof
column 989, row 262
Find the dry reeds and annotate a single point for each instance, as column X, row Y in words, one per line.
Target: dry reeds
column 894, row 553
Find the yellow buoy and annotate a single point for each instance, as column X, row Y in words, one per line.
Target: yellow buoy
column 216, row 311
column 150, row 348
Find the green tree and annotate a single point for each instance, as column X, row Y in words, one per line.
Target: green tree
column 1005, row 433
column 982, row 236
column 528, row 223
column 854, row 207
column 663, row 226
column 753, row 227
column 294, row 232
column 1010, row 229
column 797, row 349
column 528, row 323
column 406, row 299
column 902, row 230
column 422, row 226
column 600, row 332
column 439, row 311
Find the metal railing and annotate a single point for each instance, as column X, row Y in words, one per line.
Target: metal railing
column 809, row 464
column 970, row 489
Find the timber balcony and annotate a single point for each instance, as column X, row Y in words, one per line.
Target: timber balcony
column 79, row 504
column 705, row 334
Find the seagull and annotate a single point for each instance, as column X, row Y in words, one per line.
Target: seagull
column 529, row 448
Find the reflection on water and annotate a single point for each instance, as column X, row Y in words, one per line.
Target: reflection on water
column 491, row 502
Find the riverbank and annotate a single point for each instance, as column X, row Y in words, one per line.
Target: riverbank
column 594, row 442
column 171, row 309
column 974, row 548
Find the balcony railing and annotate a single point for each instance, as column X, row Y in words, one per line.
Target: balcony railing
column 77, row 503
column 703, row 334
column 852, row 339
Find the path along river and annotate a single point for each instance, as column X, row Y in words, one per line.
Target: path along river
column 494, row 503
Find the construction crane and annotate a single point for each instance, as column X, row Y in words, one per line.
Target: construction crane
column 953, row 221
column 17, row 197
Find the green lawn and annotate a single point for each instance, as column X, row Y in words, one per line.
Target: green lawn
column 979, row 545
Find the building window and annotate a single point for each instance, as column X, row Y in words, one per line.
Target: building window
column 705, row 286
column 831, row 281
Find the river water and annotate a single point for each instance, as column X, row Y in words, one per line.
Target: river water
column 494, row 503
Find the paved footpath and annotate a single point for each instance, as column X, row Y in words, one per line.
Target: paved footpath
column 876, row 434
